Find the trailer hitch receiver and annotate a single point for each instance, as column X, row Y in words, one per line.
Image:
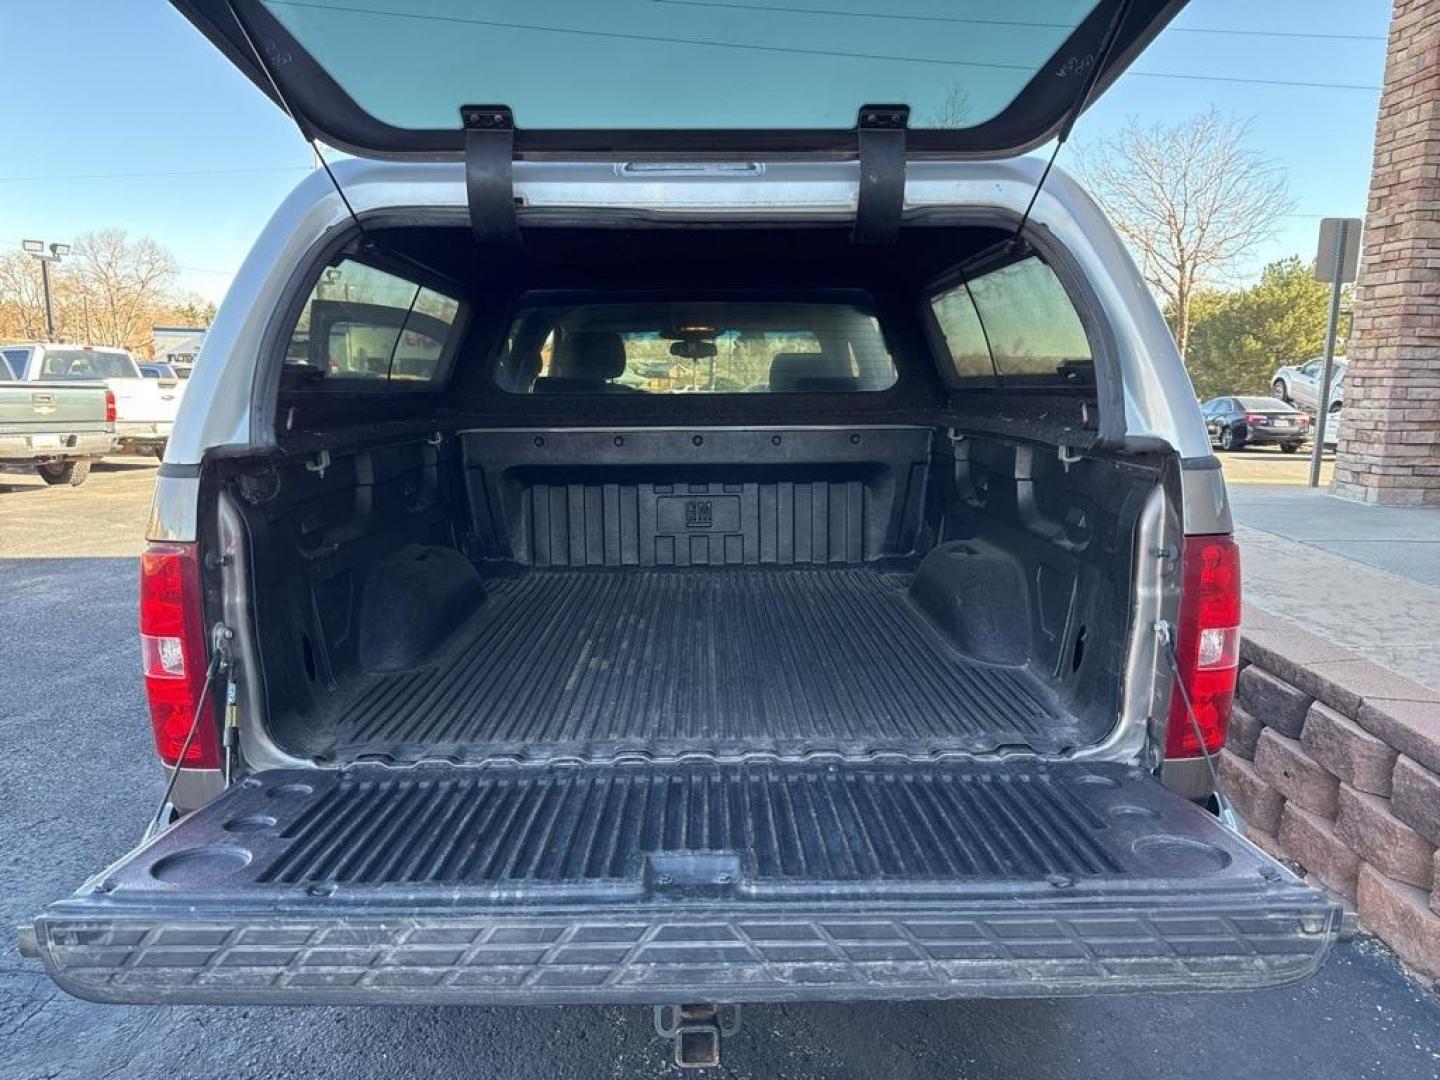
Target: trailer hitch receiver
column 695, row 1031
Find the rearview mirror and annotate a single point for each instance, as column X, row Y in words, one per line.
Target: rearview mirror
column 692, row 349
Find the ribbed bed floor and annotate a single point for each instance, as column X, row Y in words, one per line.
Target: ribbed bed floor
column 766, row 822
column 726, row 662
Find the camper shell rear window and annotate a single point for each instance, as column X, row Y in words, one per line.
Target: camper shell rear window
column 682, row 346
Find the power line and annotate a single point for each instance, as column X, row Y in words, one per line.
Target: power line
column 793, row 50
column 151, row 175
column 188, row 269
column 1274, row 33
column 1304, row 84
column 890, row 16
column 658, row 39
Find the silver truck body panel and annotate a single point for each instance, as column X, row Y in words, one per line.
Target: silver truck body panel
column 216, row 411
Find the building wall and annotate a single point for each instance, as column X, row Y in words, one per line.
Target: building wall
column 177, row 342
column 1390, row 443
column 1333, row 765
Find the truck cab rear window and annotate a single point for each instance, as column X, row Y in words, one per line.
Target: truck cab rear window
column 87, row 364
column 701, row 347
column 365, row 325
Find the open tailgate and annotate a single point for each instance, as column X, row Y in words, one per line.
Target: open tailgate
column 648, row 882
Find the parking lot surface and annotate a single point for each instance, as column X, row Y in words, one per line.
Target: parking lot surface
column 1269, row 465
column 79, row 778
column 103, row 516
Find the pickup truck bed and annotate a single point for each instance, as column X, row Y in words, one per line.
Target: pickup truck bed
column 688, row 731
column 666, row 661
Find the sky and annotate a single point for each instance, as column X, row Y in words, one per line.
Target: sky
column 123, row 116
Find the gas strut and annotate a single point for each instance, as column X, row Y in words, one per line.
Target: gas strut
column 1122, row 9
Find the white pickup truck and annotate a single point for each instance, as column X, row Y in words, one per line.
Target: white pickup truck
column 144, row 410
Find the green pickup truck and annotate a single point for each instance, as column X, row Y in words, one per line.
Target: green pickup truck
column 54, row 428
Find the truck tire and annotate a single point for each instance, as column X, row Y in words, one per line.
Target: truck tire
column 72, row 472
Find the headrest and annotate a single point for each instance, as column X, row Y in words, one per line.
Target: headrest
column 815, row 373
column 590, row 354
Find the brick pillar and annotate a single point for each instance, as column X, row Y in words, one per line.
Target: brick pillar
column 1390, row 439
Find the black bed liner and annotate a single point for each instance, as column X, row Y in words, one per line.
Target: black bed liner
column 729, row 662
column 687, row 881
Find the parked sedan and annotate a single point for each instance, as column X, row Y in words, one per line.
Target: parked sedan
column 1300, row 384
column 1237, row 422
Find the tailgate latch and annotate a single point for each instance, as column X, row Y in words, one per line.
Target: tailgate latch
column 695, row 1030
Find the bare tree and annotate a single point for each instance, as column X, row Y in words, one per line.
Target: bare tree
column 121, row 283
column 22, row 299
column 110, row 290
column 1191, row 199
column 954, row 111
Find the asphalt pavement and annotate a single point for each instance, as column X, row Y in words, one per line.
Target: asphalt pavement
column 78, row 778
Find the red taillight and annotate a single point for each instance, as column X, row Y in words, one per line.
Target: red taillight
column 1252, row 418
column 173, row 654
column 1207, row 648
column 109, row 406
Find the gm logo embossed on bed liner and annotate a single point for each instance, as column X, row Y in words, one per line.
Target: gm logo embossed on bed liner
column 675, row 514
column 699, row 513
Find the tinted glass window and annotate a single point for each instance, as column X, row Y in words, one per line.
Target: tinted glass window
column 87, row 364
column 690, row 347
column 1015, row 320
column 1265, row 404
column 965, row 337
column 12, row 365
column 687, row 63
column 362, row 324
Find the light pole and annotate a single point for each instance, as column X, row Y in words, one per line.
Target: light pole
column 55, row 253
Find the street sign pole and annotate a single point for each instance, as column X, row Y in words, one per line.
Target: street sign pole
column 1340, row 240
column 1322, row 398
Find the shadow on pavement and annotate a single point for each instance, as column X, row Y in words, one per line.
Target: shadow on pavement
column 123, row 466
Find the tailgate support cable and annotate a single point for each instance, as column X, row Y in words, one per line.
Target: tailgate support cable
column 880, row 201
column 1225, row 812
column 1098, row 60
column 218, row 660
